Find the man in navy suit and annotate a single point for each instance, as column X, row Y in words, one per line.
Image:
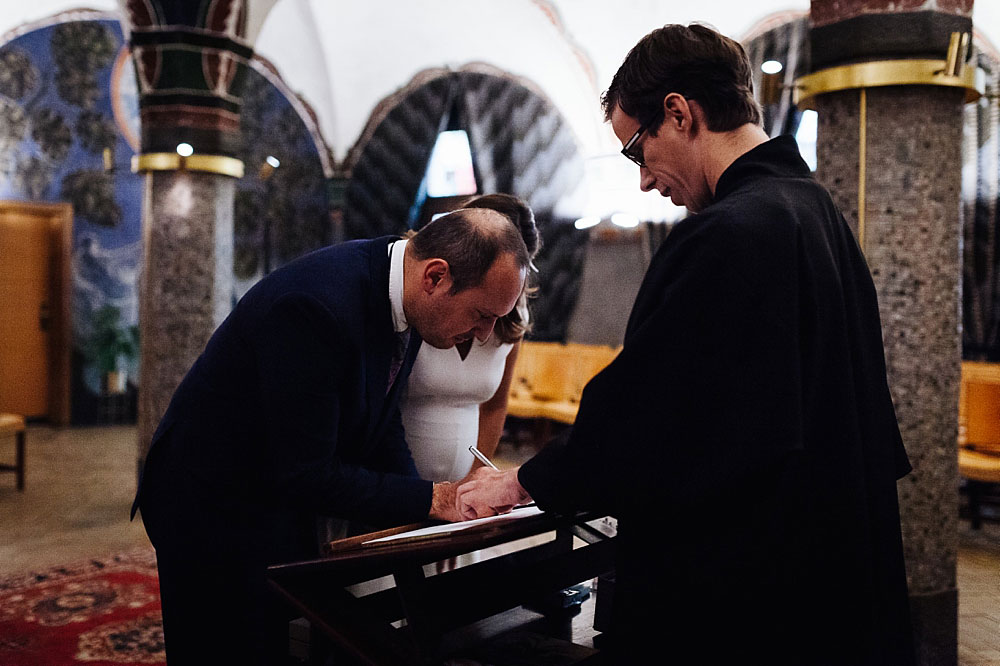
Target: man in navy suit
column 291, row 412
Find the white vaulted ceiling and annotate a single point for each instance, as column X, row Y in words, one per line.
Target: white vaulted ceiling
column 343, row 56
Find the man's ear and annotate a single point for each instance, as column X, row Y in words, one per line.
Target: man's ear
column 677, row 112
column 436, row 275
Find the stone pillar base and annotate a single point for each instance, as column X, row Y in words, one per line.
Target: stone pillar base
column 935, row 627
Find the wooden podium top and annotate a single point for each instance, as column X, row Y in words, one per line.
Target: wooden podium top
column 356, row 559
column 442, row 612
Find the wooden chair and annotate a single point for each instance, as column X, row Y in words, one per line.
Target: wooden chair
column 553, row 372
column 588, row 360
column 13, row 424
column 548, row 381
column 979, row 433
column 520, row 401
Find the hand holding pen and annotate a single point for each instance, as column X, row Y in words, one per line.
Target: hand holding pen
column 482, row 458
column 489, row 492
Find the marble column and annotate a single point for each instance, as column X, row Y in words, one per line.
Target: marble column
column 187, row 283
column 891, row 156
column 190, row 61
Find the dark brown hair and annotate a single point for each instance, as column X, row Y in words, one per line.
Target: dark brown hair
column 516, row 211
column 695, row 61
column 511, row 328
column 469, row 247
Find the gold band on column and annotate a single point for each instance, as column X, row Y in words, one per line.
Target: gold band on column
column 888, row 73
column 221, row 164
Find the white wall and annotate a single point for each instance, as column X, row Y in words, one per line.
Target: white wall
column 569, row 48
column 344, row 56
column 370, row 50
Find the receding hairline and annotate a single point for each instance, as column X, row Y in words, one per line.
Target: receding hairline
column 496, row 222
column 471, row 241
column 489, row 223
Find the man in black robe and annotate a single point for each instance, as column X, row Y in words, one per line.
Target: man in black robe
column 745, row 436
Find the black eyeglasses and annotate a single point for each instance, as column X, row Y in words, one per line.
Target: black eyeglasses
column 629, row 149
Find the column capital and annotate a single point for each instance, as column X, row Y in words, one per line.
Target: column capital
column 190, row 61
column 823, row 12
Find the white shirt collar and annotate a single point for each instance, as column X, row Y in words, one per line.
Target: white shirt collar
column 396, row 249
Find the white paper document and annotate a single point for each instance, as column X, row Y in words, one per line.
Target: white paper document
column 516, row 514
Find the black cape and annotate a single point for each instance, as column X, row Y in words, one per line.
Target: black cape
column 746, row 440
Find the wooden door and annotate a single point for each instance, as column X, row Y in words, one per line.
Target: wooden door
column 34, row 309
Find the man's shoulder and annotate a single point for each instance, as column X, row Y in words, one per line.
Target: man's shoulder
column 773, row 206
column 347, row 260
column 336, row 275
column 341, row 256
column 736, row 230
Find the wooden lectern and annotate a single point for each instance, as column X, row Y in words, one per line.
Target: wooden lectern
column 426, row 619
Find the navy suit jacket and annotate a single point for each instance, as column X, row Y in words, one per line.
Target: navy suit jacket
column 286, row 413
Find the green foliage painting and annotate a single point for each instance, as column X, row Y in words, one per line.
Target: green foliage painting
column 111, row 341
column 39, row 129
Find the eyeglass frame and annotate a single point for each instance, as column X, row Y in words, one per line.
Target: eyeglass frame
column 627, row 148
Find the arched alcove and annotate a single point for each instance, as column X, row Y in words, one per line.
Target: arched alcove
column 520, row 145
column 784, row 39
column 282, row 205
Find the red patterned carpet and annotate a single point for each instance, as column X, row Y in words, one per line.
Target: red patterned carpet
column 99, row 612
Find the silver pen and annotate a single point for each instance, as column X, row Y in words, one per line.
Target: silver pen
column 483, row 459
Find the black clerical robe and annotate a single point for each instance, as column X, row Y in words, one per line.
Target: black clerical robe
column 746, row 440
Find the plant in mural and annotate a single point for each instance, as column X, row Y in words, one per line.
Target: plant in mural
column 33, row 176
column 93, row 196
column 51, row 133
column 111, row 347
column 18, row 75
column 280, row 212
column 96, row 131
column 81, row 49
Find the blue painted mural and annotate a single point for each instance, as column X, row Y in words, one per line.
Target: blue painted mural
column 69, row 125
column 68, row 128
column 282, row 207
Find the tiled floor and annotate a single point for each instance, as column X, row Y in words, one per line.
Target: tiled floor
column 78, row 489
column 979, row 596
column 80, row 484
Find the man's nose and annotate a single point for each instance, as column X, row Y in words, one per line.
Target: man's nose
column 483, row 330
column 646, row 180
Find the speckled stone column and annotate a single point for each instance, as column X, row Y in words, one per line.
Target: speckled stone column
column 911, row 235
column 187, row 281
column 190, row 61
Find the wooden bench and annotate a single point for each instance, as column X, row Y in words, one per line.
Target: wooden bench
column 979, row 433
column 13, row 424
column 549, row 378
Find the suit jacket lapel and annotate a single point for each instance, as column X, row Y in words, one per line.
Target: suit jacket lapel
column 392, row 398
column 381, row 337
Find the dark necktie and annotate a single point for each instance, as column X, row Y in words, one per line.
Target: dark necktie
column 402, row 340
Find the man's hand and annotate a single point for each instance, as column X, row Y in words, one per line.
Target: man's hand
column 488, row 492
column 443, row 505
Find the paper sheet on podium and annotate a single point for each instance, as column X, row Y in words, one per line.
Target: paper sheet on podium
column 516, row 514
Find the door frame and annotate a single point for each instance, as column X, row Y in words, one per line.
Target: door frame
column 59, row 220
